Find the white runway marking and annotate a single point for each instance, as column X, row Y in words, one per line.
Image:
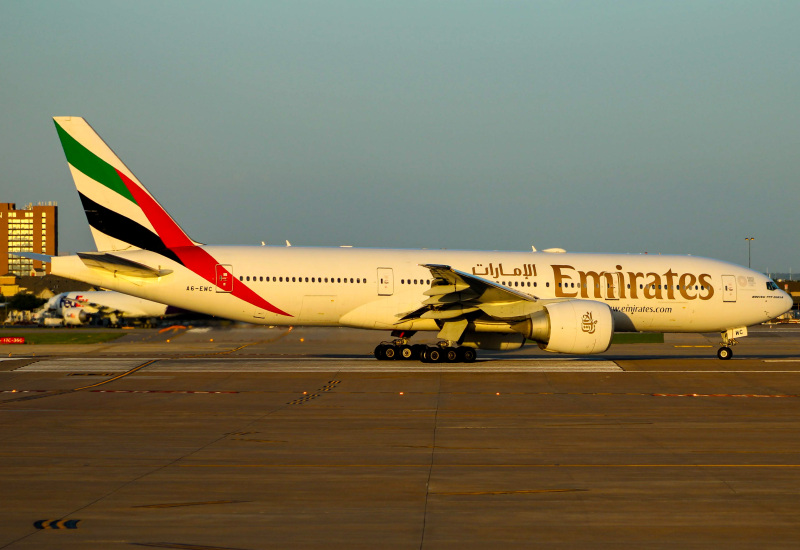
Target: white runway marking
column 229, row 364
column 84, row 364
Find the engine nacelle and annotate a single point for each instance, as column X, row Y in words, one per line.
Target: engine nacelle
column 74, row 316
column 572, row 326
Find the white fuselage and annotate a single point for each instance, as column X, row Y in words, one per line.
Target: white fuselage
column 374, row 288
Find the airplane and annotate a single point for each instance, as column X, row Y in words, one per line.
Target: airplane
column 101, row 306
column 564, row 302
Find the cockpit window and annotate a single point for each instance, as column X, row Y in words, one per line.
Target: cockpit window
column 772, row 286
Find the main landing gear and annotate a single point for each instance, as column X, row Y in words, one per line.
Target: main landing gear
column 440, row 353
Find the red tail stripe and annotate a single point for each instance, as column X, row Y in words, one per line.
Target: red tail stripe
column 165, row 226
column 193, row 257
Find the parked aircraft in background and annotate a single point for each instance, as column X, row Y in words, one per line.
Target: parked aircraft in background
column 99, row 307
column 568, row 303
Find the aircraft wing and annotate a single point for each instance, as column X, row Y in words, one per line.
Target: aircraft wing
column 456, row 296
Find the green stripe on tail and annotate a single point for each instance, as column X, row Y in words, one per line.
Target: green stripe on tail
column 90, row 164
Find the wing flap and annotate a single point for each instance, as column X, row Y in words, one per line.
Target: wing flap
column 458, row 296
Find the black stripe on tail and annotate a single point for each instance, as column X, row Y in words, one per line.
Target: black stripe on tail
column 124, row 229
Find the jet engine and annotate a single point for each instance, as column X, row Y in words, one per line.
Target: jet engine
column 571, row 326
column 75, row 316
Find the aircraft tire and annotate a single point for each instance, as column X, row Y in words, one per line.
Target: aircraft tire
column 467, row 355
column 435, row 355
column 724, row 353
column 451, row 355
column 406, row 353
column 379, row 352
column 390, row 353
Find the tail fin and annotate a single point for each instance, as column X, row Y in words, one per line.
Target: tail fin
column 122, row 214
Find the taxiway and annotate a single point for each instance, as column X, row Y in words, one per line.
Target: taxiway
column 266, row 438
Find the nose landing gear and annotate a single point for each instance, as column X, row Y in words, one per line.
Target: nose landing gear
column 728, row 340
column 724, row 352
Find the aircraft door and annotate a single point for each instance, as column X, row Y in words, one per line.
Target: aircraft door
column 385, row 281
column 224, row 278
column 728, row 288
column 611, row 285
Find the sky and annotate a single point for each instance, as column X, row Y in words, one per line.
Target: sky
column 621, row 126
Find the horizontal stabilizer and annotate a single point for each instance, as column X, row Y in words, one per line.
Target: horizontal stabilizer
column 32, row 256
column 122, row 266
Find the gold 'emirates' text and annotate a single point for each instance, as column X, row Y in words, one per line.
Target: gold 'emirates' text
column 570, row 283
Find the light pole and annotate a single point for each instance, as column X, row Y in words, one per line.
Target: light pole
column 749, row 240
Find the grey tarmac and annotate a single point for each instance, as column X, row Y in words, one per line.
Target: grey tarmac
column 250, row 438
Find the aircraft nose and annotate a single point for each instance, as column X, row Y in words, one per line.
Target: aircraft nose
column 788, row 301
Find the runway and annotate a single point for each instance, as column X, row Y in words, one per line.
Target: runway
column 304, row 364
column 249, row 439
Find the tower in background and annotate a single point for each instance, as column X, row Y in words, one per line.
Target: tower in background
column 31, row 229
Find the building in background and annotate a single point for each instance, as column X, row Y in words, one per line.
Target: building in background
column 31, row 229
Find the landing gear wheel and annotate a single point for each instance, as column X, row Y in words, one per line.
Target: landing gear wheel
column 451, row 355
column 467, row 355
column 390, row 353
column 406, row 353
column 386, row 352
column 724, row 353
column 435, row 355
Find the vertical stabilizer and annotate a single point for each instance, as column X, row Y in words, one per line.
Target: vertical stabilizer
column 122, row 214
